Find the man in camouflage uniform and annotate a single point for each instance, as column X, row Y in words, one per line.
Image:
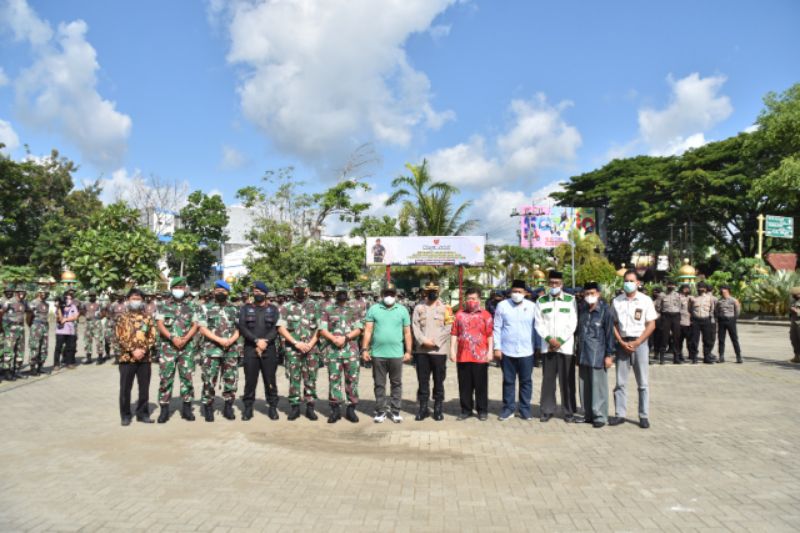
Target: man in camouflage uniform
column 341, row 326
column 39, row 325
column 301, row 317
column 14, row 313
column 175, row 320
column 116, row 308
column 359, row 303
column 218, row 322
column 92, row 310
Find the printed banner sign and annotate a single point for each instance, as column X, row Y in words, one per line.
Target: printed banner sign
column 431, row 251
column 549, row 227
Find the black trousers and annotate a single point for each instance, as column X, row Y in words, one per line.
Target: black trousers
column 728, row 325
column 127, row 373
column 473, row 382
column 654, row 341
column 557, row 366
column 267, row 366
column 66, row 345
column 702, row 327
column 428, row 364
column 671, row 331
column 686, row 336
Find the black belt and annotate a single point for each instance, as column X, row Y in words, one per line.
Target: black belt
column 671, row 313
column 628, row 339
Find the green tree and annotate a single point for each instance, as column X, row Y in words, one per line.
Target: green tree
column 427, row 205
column 115, row 250
column 196, row 245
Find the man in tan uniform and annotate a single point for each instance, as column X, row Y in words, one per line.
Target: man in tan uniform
column 431, row 324
column 702, row 308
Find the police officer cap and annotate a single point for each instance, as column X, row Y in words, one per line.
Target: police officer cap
column 342, row 287
column 261, row 286
column 327, row 288
column 301, row 283
column 20, row 287
column 431, row 286
column 684, row 286
column 702, row 285
column 555, row 274
column 222, row 284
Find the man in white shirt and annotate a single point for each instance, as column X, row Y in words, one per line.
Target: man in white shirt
column 634, row 321
column 556, row 318
column 514, row 340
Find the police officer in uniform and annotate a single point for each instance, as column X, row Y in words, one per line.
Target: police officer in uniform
column 727, row 312
column 258, row 324
column 669, row 310
column 702, row 310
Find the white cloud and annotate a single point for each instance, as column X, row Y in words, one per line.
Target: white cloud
column 58, row 92
column 538, row 137
column 24, row 23
column 3, row 78
column 232, row 158
column 8, row 136
column 321, row 78
column 121, row 185
column 216, row 192
column 493, row 210
column 695, row 107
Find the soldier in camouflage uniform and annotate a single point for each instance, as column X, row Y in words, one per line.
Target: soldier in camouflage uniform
column 341, row 326
column 218, row 322
column 301, row 317
column 92, row 310
column 175, row 320
column 14, row 313
column 116, row 308
column 39, row 331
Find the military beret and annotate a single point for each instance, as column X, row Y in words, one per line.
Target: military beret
column 261, row 286
column 342, row 288
column 222, row 284
column 178, row 281
column 301, row 283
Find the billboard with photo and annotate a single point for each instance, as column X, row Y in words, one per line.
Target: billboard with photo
column 549, row 227
column 430, row 251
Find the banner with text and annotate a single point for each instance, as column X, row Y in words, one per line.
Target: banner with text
column 549, row 227
column 430, row 251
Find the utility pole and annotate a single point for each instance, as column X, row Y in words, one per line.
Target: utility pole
column 760, row 218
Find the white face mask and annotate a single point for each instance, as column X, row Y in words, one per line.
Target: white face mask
column 388, row 300
column 517, row 297
column 591, row 300
column 178, row 294
column 555, row 291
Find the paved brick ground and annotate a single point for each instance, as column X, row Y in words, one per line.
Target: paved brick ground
column 721, row 455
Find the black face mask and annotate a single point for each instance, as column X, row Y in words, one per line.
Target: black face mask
column 299, row 295
column 433, row 296
column 92, row 299
column 220, row 297
column 341, row 298
column 670, row 289
column 259, row 297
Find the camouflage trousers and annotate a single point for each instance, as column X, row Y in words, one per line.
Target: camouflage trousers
column 227, row 366
column 112, row 346
column 343, row 368
column 302, row 366
column 170, row 360
column 95, row 338
column 38, row 342
column 13, row 347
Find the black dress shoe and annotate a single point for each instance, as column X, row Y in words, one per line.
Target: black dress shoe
column 437, row 412
column 126, row 421
column 546, row 418
column 644, row 423
column 569, row 419
column 483, row 417
column 247, row 414
column 272, row 413
column 144, row 419
column 615, row 421
column 422, row 412
column 598, row 424
column 464, row 415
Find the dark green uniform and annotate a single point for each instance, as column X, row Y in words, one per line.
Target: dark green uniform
column 178, row 317
column 223, row 321
column 302, row 321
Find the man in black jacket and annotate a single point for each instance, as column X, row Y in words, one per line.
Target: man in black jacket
column 258, row 324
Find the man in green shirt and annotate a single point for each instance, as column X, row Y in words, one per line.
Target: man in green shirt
column 387, row 342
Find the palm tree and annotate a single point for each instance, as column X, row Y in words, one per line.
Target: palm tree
column 427, row 205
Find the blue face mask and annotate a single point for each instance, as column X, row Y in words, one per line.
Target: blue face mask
column 555, row 291
column 629, row 286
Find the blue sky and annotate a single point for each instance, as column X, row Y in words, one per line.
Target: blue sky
column 505, row 98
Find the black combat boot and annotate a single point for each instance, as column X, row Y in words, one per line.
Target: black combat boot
column 423, row 412
column 335, row 414
column 227, row 412
column 294, row 413
column 100, row 360
column 144, row 418
column 272, row 412
column 87, row 360
column 10, row 376
column 208, row 412
column 661, row 358
column 350, row 414
column 437, row 411
column 248, row 411
column 186, row 412
column 310, row 414
column 163, row 416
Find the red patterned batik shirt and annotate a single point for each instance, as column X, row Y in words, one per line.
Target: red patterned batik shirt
column 473, row 331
